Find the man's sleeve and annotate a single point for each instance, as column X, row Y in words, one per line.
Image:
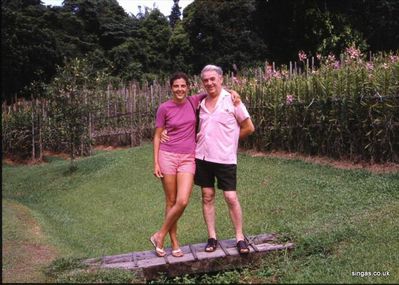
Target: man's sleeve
column 241, row 113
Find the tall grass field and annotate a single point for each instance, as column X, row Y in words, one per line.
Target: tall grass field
column 344, row 223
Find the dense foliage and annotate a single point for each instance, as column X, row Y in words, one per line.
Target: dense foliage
column 348, row 108
column 343, row 108
column 243, row 33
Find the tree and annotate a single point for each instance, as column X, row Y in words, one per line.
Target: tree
column 180, row 50
column 29, row 50
column 325, row 26
column 377, row 21
column 70, row 92
column 154, row 36
column 287, row 27
column 174, row 17
column 221, row 32
column 128, row 60
column 104, row 22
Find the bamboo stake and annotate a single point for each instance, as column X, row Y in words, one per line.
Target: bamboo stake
column 33, row 128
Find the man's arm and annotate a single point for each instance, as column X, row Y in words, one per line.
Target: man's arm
column 246, row 128
column 164, row 136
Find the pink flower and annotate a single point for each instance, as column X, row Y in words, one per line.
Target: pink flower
column 330, row 59
column 353, row 52
column 268, row 72
column 394, row 58
column 277, row 74
column 236, row 80
column 289, row 99
column 302, row 55
column 284, row 73
column 271, row 73
column 369, row 66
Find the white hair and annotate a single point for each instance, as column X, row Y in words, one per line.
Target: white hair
column 211, row 67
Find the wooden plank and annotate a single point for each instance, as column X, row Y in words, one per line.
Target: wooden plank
column 223, row 248
column 203, row 266
column 193, row 252
column 149, row 266
column 134, row 259
column 251, row 243
column 166, row 259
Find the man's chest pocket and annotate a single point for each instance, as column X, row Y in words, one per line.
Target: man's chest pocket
column 226, row 118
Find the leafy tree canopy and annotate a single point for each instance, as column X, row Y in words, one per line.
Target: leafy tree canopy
column 243, row 33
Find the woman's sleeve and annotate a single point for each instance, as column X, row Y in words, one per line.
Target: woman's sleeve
column 160, row 117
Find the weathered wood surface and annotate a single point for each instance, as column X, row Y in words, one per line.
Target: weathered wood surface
column 148, row 265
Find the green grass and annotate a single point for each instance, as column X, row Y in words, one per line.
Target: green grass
column 342, row 221
column 25, row 249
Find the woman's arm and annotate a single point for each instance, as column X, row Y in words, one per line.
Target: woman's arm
column 157, row 141
column 235, row 97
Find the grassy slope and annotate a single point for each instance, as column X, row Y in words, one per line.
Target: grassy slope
column 25, row 249
column 342, row 221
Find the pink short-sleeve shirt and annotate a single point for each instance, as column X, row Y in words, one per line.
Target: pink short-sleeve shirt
column 220, row 130
column 179, row 121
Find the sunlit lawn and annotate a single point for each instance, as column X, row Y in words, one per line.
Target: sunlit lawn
column 342, row 221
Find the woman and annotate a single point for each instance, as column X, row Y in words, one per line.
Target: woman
column 174, row 161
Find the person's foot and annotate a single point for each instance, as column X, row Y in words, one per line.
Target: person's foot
column 242, row 247
column 211, row 245
column 175, row 244
column 158, row 250
column 177, row 252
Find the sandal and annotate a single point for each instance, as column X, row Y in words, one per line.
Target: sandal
column 211, row 245
column 159, row 251
column 177, row 252
column 242, row 247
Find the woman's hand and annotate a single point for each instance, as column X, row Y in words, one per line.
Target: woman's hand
column 157, row 171
column 235, row 97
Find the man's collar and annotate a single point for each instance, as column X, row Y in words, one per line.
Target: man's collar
column 224, row 93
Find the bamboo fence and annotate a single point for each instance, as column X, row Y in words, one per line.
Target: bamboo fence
column 363, row 126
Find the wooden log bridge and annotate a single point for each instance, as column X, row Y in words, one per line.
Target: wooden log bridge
column 147, row 265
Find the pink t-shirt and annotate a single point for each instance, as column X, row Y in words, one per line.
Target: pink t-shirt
column 220, row 130
column 179, row 121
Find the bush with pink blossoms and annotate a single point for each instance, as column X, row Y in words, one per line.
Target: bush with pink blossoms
column 346, row 107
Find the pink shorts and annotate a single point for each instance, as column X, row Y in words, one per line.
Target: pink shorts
column 173, row 163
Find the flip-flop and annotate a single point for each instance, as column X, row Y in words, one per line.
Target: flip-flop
column 159, row 251
column 177, row 252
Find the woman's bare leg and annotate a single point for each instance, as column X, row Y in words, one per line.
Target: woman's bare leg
column 184, row 182
column 169, row 183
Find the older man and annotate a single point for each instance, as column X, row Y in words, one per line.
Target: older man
column 221, row 126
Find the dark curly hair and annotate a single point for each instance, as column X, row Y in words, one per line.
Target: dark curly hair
column 179, row 75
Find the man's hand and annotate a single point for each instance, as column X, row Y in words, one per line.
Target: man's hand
column 164, row 136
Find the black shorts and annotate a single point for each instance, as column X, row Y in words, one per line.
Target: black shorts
column 206, row 172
